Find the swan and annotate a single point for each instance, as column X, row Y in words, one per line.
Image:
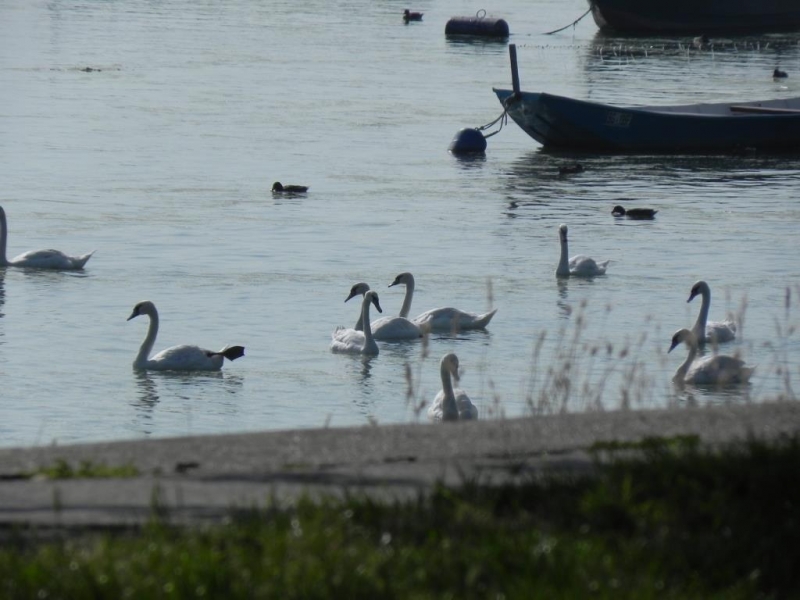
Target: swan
column 386, row 328
column 354, row 341
column 708, row 370
column 705, row 330
column 577, row 266
column 451, row 404
column 38, row 259
column 439, row 319
column 176, row 358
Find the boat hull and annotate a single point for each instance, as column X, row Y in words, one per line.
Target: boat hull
column 695, row 16
column 558, row 122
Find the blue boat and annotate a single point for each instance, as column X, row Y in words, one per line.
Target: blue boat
column 695, row 16
column 562, row 123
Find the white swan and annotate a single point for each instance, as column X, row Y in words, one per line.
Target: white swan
column 451, row 404
column 705, row 330
column 354, row 341
column 577, row 266
column 38, row 259
column 385, row 328
column 176, row 358
column 439, row 319
column 708, row 370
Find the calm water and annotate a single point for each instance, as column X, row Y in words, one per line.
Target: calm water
column 163, row 160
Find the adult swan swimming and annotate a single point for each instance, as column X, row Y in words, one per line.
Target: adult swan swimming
column 440, row 319
column 353, row 341
column 385, row 328
column 38, row 259
column 176, row 358
column 718, row 369
column 451, row 404
column 706, row 331
column 579, row 265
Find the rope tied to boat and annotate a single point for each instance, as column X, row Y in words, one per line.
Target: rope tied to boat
column 575, row 22
column 502, row 119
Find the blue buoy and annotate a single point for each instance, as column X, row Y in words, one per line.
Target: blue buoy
column 479, row 25
column 468, row 141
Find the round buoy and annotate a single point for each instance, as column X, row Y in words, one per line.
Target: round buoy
column 468, row 141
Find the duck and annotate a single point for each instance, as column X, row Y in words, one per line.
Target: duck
column 409, row 15
column 385, row 328
column 353, row 341
column 706, row 331
column 778, row 74
column 39, row 259
column 176, row 358
column 570, row 169
column 634, row 213
column 279, row 188
column 444, row 319
column 718, row 369
column 451, row 404
column 577, row 266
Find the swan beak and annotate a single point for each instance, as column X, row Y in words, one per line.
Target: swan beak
column 133, row 314
column 377, row 304
column 352, row 295
column 674, row 344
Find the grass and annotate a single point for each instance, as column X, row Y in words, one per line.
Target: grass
column 61, row 469
column 661, row 519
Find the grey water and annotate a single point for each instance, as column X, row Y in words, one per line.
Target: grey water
column 153, row 131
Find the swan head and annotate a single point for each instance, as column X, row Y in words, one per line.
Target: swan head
column 450, row 363
column 618, row 211
column 358, row 289
column 562, row 233
column 683, row 336
column 372, row 296
column 698, row 289
column 142, row 308
column 404, row 278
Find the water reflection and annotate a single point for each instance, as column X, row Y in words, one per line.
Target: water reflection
column 469, row 162
column 2, row 292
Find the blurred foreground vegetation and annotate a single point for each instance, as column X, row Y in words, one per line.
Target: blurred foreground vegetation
column 662, row 519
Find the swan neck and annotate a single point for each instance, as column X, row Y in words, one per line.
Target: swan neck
column 449, row 407
column 563, row 262
column 680, row 374
column 405, row 310
column 149, row 341
column 368, row 340
column 702, row 318
column 3, row 237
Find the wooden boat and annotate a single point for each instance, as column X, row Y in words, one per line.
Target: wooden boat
column 695, row 16
column 558, row 122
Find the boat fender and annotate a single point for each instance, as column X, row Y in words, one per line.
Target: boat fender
column 479, row 25
column 468, row 141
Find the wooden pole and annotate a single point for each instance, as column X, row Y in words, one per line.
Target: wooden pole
column 512, row 52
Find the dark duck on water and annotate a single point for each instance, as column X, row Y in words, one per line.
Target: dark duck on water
column 634, row 213
column 289, row 189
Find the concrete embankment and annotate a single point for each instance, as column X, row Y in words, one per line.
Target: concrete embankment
column 197, row 479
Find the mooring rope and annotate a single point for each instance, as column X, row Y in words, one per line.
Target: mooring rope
column 503, row 119
column 575, row 22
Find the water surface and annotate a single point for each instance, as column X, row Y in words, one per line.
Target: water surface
column 162, row 156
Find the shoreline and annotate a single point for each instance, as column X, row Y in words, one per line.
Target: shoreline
column 201, row 479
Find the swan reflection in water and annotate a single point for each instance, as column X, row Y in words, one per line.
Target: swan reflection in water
column 2, row 291
column 154, row 388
